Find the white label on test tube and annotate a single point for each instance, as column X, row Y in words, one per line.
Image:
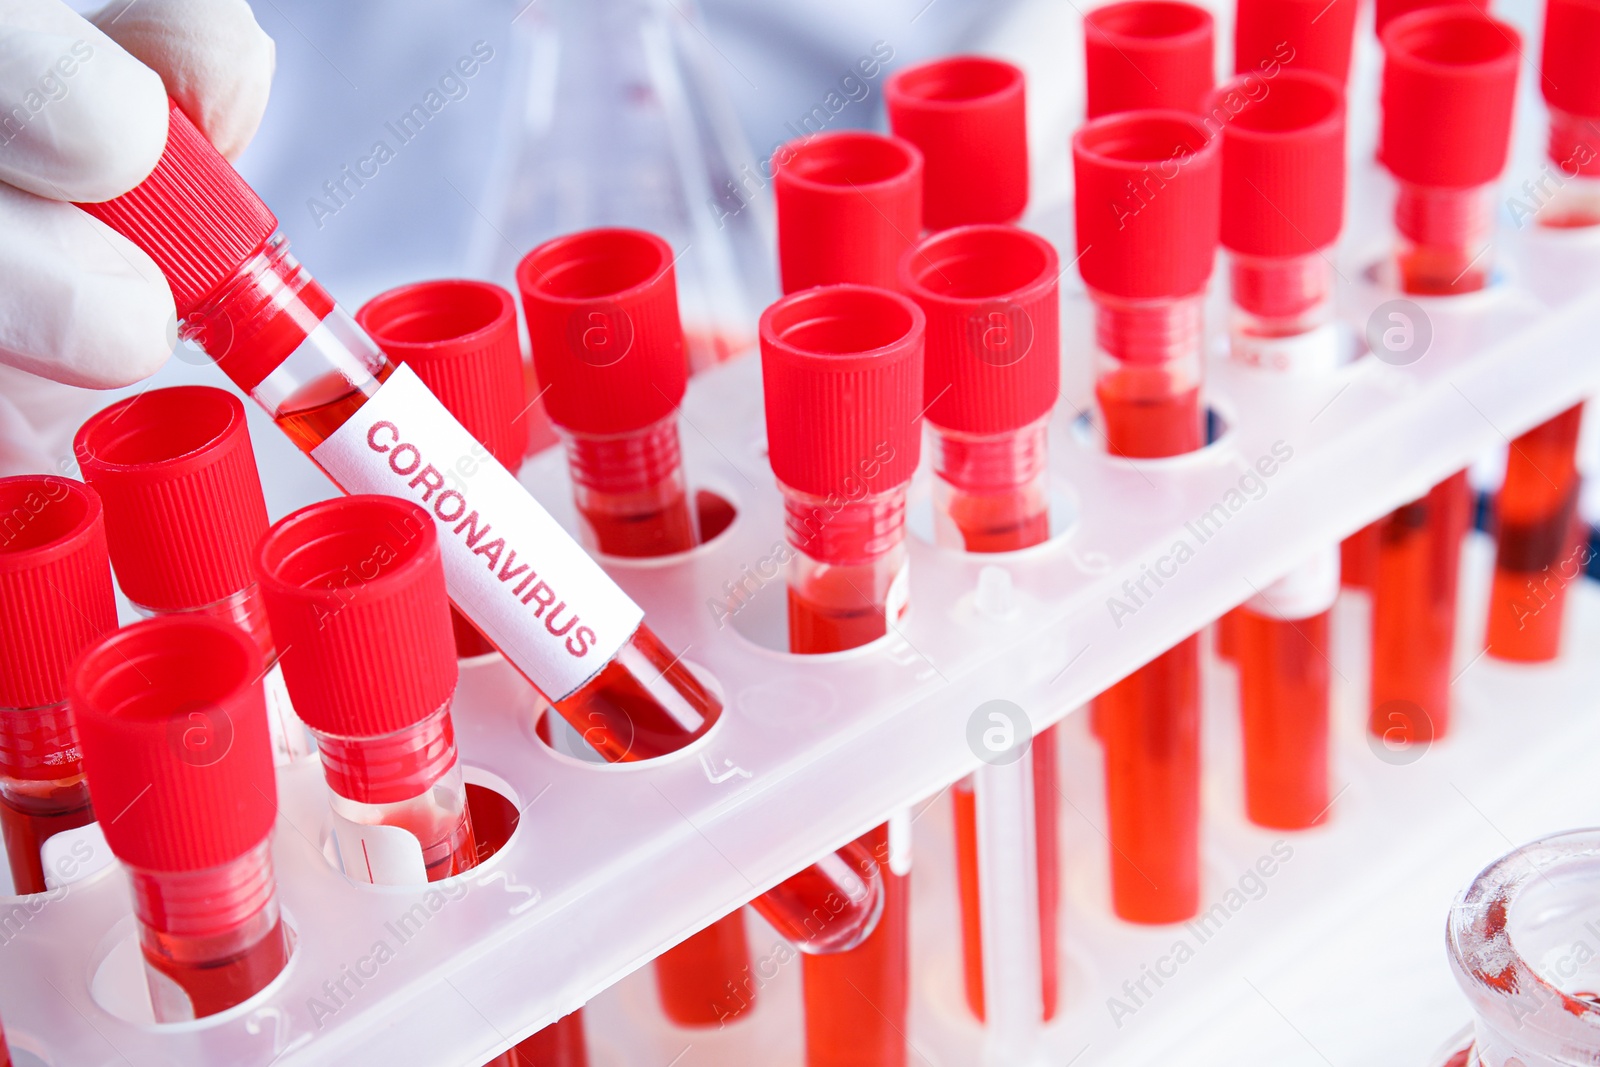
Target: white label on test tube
column 379, row 855
column 510, row 567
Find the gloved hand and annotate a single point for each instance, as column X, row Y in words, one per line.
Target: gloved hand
column 83, row 117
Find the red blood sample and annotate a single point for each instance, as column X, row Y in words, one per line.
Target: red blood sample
column 1449, row 85
column 5, row 1050
column 1540, row 545
column 198, row 801
column 1283, row 699
column 842, row 373
column 55, row 600
column 616, row 384
column 1146, row 263
column 561, row 1044
column 1414, row 613
column 992, row 372
column 1358, row 557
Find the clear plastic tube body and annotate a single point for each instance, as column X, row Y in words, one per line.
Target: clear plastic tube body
column 410, row 779
column 643, row 703
column 42, row 787
column 1574, row 149
column 1510, row 939
column 631, row 491
column 846, row 584
column 1148, row 376
column 990, row 495
column 211, row 938
column 1282, row 322
column 632, row 495
column 1540, row 543
column 246, row 610
column 1414, row 613
column 1444, row 239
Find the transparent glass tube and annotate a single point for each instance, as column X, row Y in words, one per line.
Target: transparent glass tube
column 631, row 491
column 410, row 779
column 1574, row 149
column 1282, row 314
column 1445, row 247
column 246, row 610
column 1148, row 369
column 1520, row 941
column 990, row 495
column 42, row 787
column 847, row 586
column 1539, row 542
column 211, row 939
column 1147, row 382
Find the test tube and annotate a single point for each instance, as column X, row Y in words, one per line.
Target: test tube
column 356, row 588
column 849, row 205
column 1282, row 209
column 1510, row 939
column 174, row 729
column 1148, row 200
column 602, row 311
column 1143, row 54
column 184, row 511
column 1570, row 83
column 991, row 377
column 5, row 1049
column 55, row 600
column 460, row 337
column 842, row 375
column 550, row 609
column 1539, row 540
column 1449, row 83
column 1298, row 34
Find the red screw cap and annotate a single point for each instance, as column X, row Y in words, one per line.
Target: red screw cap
column 355, row 594
column 1146, row 54
column 1282, row 164
column 173, row 724
column 602, row 308
column 1449, row 85
column 55, row 585
column 842, row 373
column 991, row 297
column 967, row 116
column 461, row 339
column 193, row 215
column 1148, row 200
column 849, row 205
column 182, row 496
column 1387, row 11
column 1299, row 34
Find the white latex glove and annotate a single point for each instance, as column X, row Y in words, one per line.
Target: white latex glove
column 83, row 117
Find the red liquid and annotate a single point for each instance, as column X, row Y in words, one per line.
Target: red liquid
column 655, row 522
column 857, row 1002
column 1284, row 704
column 1150, row 427
column 5, row 1050
column 1228, row 635
column 1426, row 271
column 1358, row 558
column 1151, row 721
column 216, row 981
column 704, row 980
column 561, row 1044
column 28, row 819
column 1539, row 547
column 1004, row 523
column 1414, row 613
